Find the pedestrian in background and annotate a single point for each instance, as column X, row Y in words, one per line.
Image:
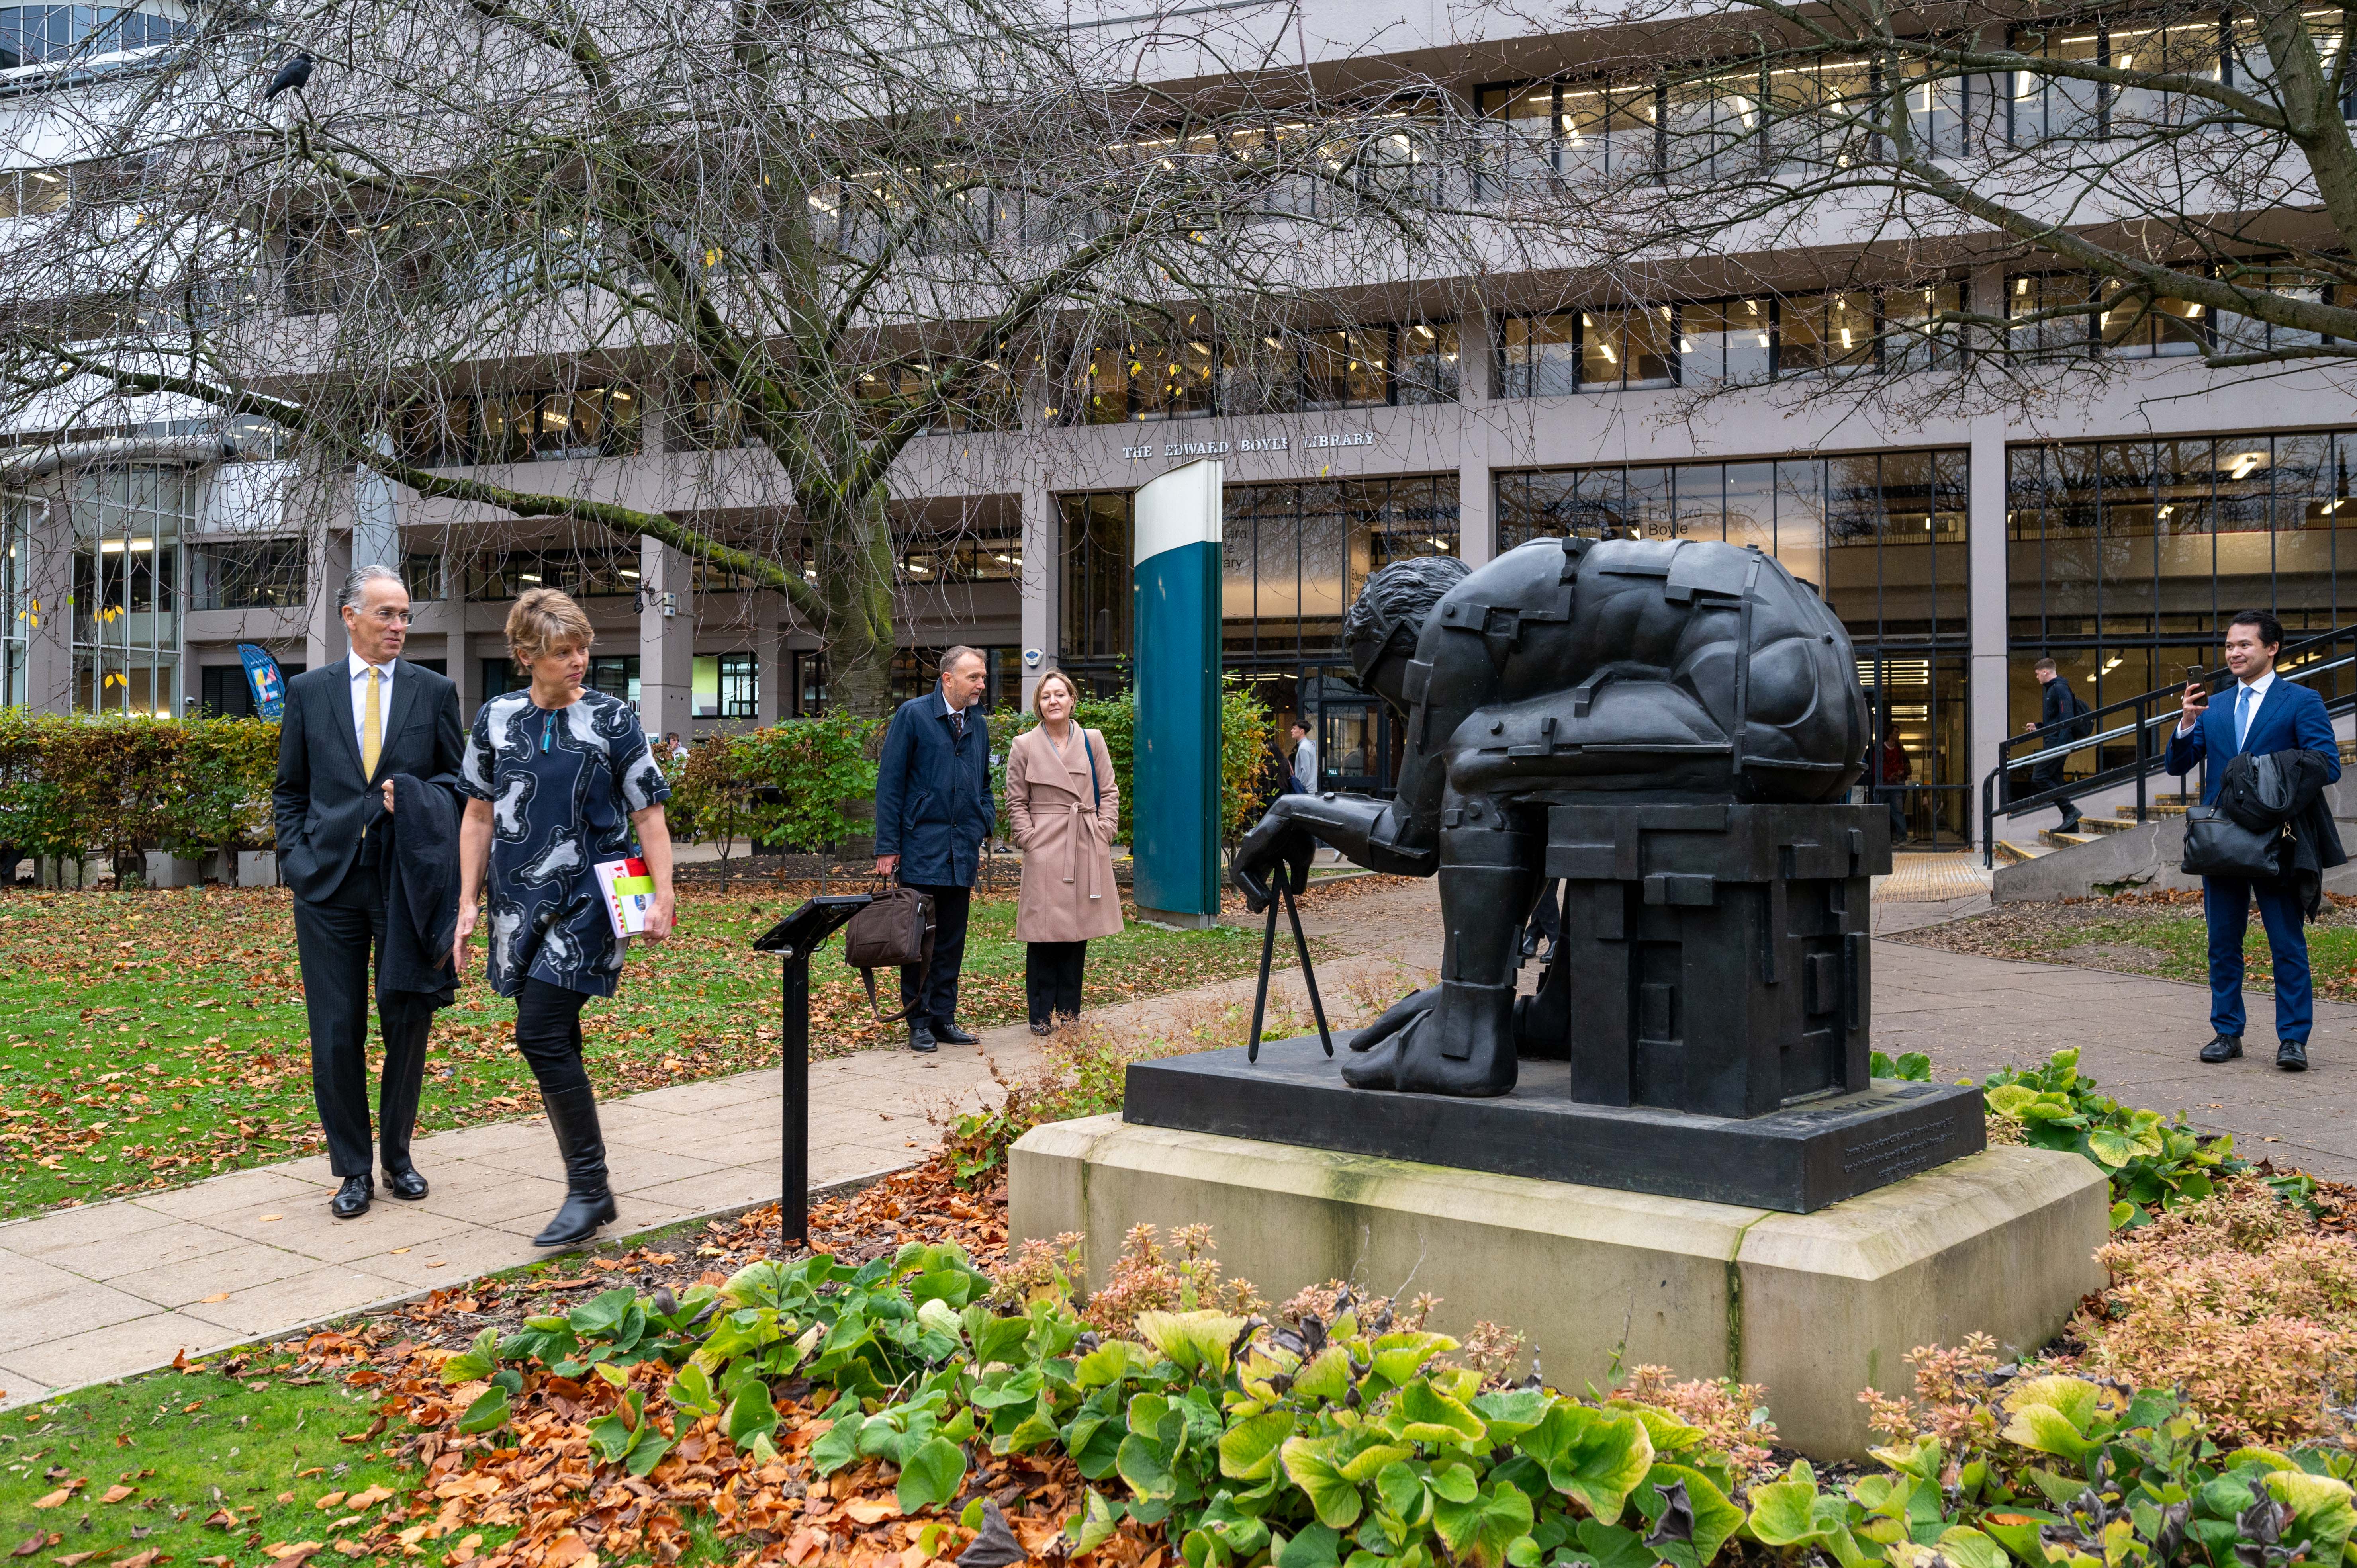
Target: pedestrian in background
column 1305, row 757
column 2061, row 720
column 933, row 812
column 1891, row 771
column 559, row 781
column 1063, row 807
column 2264, row 715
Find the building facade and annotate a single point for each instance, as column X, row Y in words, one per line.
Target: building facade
column 2112, row 525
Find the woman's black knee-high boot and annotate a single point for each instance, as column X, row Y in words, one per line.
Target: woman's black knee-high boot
column 588, row 1203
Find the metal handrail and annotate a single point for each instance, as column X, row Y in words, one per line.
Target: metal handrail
column 2160, row 706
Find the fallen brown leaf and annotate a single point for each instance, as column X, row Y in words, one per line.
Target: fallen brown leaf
column 117, row 1494
column 34, row 1542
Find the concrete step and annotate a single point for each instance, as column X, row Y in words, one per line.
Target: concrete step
column 2155, row 808
column 2054, row 838
column 2011, row 853
column 2108, row 824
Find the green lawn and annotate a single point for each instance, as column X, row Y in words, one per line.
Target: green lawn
column 152, row 1038
column 2181, row 944
column 2166, row 938
column 198, row 1467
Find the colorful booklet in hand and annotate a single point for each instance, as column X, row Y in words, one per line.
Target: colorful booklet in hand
column 630, row 894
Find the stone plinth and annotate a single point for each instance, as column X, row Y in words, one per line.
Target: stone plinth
column 1816, row 1306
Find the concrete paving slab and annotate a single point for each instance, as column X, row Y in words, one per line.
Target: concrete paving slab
column 479, row 1192
column 64, row 1229
column 256, row 1191
column 462, row 1256
column 18, row 1387
column 181, row 1242
column 124, row 1348
column 221, row 1274
column 53, row 1311
column 317, row 1292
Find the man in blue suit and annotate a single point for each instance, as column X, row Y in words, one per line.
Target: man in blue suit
column 2262, row 715
column 934, row 808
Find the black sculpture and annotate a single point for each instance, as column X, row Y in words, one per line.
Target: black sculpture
column 1662, row 724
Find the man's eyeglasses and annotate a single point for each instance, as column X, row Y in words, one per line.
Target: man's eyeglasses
column 390, row 618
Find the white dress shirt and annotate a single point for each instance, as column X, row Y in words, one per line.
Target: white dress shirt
column 360, row 667
column 2250, row 707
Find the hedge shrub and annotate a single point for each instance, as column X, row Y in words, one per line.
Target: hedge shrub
column 790, row 783
column 75, row 786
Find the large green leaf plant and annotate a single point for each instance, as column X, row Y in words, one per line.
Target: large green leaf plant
column 1355, row 1443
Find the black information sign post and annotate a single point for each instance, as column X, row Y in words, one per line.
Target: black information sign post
column 794, row 938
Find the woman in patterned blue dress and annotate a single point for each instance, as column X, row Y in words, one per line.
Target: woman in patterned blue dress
column 558, row 779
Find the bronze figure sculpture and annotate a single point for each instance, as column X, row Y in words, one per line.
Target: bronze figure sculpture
column 1666, row 725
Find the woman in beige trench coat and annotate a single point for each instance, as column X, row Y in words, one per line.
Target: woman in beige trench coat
column 1062, row 807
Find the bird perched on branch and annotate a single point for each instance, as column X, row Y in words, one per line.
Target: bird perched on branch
column 292, row 76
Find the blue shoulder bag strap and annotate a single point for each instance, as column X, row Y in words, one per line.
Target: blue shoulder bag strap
column 1088, row 744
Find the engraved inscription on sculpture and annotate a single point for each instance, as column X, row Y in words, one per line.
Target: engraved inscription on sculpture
column 1897, row 1154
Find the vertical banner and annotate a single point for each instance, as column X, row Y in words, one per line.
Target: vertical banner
column 263, row 675
column 1175, row 764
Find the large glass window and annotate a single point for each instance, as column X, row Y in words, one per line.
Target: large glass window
column 615, row 674
column 967, row 558
column 1293, row 557
column 1191, row 377
column 31, row 35
column 2124, row 558
column 521, row 427
column 270, row 574
column 598, row 570
column 723, row 686
column 18, row 614
column 128, row 524
column 916, row 671
column 986, row 398
column 1882, row 535
column 1738, row 340
column 1094, row 619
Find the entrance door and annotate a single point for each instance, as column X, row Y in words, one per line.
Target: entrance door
column 1351, row 745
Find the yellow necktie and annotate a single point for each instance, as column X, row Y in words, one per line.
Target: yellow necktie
column 372, row 728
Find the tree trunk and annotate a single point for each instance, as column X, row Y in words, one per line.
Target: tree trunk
column 852, row 553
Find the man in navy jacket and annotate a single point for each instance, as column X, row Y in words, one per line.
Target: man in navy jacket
column 934, row 808
column 2262, row 714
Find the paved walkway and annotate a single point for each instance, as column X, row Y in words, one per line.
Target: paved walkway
column 115, row 1288
column 2138, row 1037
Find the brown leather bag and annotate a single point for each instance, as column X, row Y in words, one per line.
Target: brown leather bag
column 896, row 929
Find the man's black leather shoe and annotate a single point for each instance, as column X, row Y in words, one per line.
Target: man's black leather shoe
column 352, row 1199
column 920, row 1039
column 2291, row 1054
column 404, row 1183
column 2222, row 1049
column 954, row 1036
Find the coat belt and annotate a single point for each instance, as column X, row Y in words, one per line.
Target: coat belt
column 1084, row 843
